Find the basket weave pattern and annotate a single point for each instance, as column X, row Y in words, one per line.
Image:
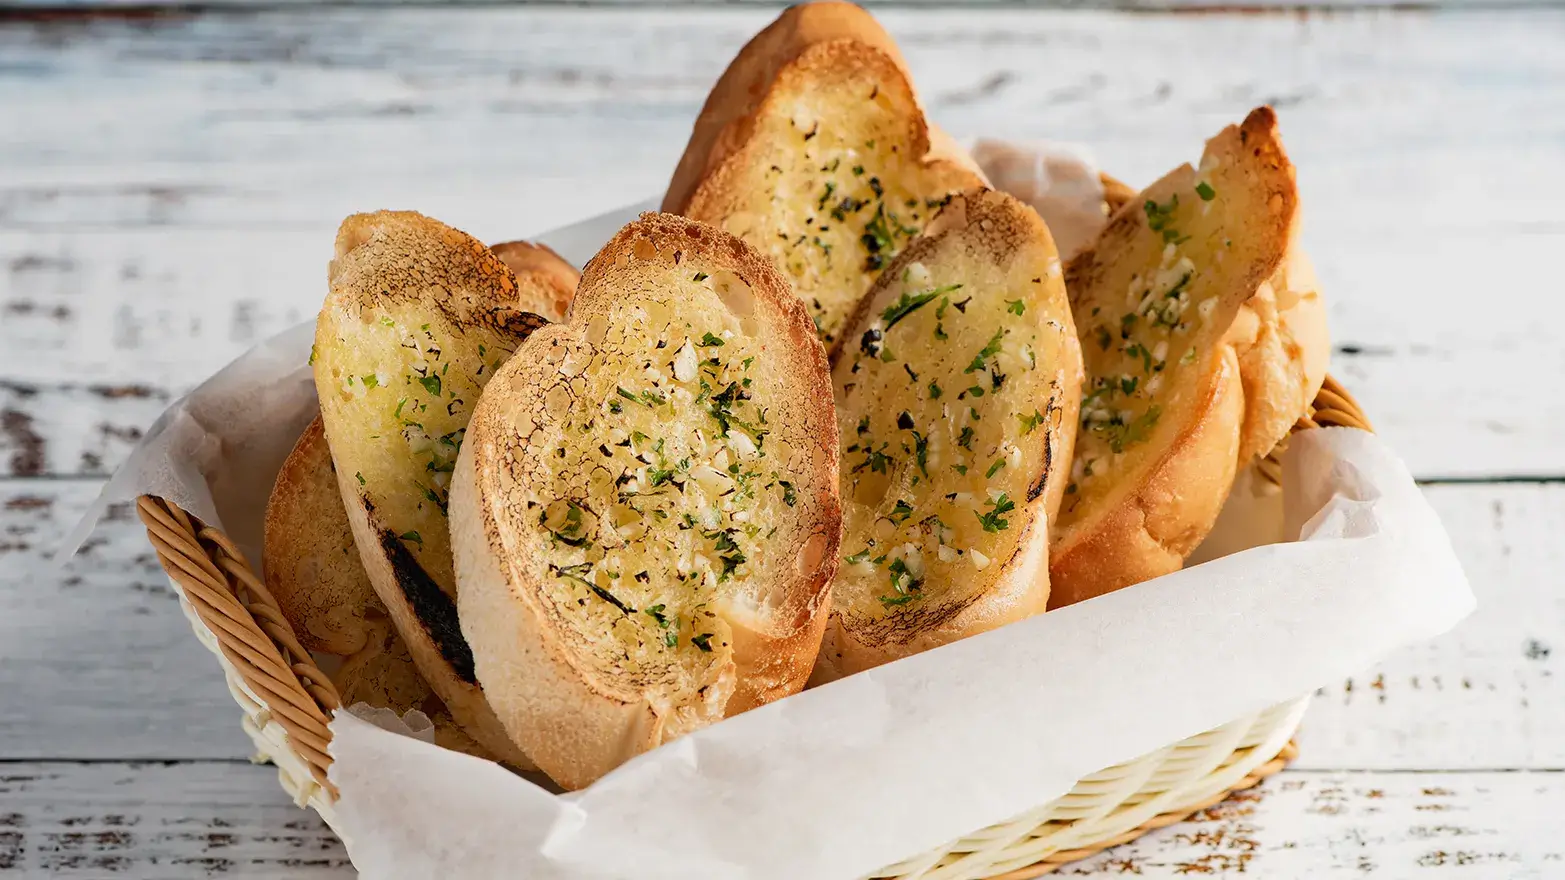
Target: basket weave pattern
column 288, row 701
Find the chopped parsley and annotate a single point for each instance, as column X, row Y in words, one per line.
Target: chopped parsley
column 1205, row 191
column 1030, row 423
column 990, row 349
column 728, row 552
column 431, row 384
column 1160, row 218
column 709, row 340
column 921, row 452
column 648, row 399
column 900, row 513
column 415, row 537
column 1015, row 306
column 994, row 520
column 908, row 303
column 702, row 641
column 1121, row 435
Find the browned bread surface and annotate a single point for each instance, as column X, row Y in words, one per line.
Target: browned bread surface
column 645, row 510
column 813, row 148
column 418, row 318
column 1163, row 409
column 957, row 404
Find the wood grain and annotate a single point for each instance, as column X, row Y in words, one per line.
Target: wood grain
column 184, row 207
column 99, row 661
column 1307, row 825
column 155, row 820
column 158, row 820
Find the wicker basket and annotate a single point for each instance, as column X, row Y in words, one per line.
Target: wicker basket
column 288, row 701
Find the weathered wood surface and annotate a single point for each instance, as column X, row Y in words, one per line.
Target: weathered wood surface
column 169, row 188
column 184, row 205
column 157, row 820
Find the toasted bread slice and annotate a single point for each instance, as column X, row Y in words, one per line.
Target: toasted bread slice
column 1283, row 347
column 383, row 674
column 418, row 318
column 1163, row 408
column 545, row 282
column 957, row 408
column 645, row 511
column 312, row 569
column 311, row 565
column 1281, row 340
column 813, row 148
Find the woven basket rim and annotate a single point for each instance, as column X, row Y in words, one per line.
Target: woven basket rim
column 256, row 639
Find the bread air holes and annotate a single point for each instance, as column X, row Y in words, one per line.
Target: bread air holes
column 737, row 296
column 808, row 560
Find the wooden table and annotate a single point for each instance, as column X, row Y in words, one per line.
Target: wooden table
column 169, row 187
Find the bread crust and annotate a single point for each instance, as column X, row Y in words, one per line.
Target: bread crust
column 545, row 282
column 833, row 50
column 406, row 261
column 727, row 118
column 312, row 569
column 1154, row 515
column 1151, row 530
column 311, row 565
column 994, row 229
column 576, row 720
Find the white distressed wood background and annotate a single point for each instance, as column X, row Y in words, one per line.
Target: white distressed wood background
column 170, row 183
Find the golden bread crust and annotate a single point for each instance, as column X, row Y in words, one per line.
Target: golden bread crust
column 1166, row 430
column 409, row 298
column 901, row 525
column 831, row 63
column 574, row 704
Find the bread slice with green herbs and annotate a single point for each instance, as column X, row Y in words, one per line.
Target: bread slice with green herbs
column 1163, row 407
column 957, row 405
column 645, row 511
column 813, row 148
column 1282, row 342
column 418, row 319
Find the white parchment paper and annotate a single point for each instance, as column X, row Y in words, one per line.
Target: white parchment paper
column 843, row 779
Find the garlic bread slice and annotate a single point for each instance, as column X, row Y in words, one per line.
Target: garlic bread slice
column 957, row 406
column 813, row 148
column 418, row 318
column 1282, row 342
column 1163, row 406
column 645, row 509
